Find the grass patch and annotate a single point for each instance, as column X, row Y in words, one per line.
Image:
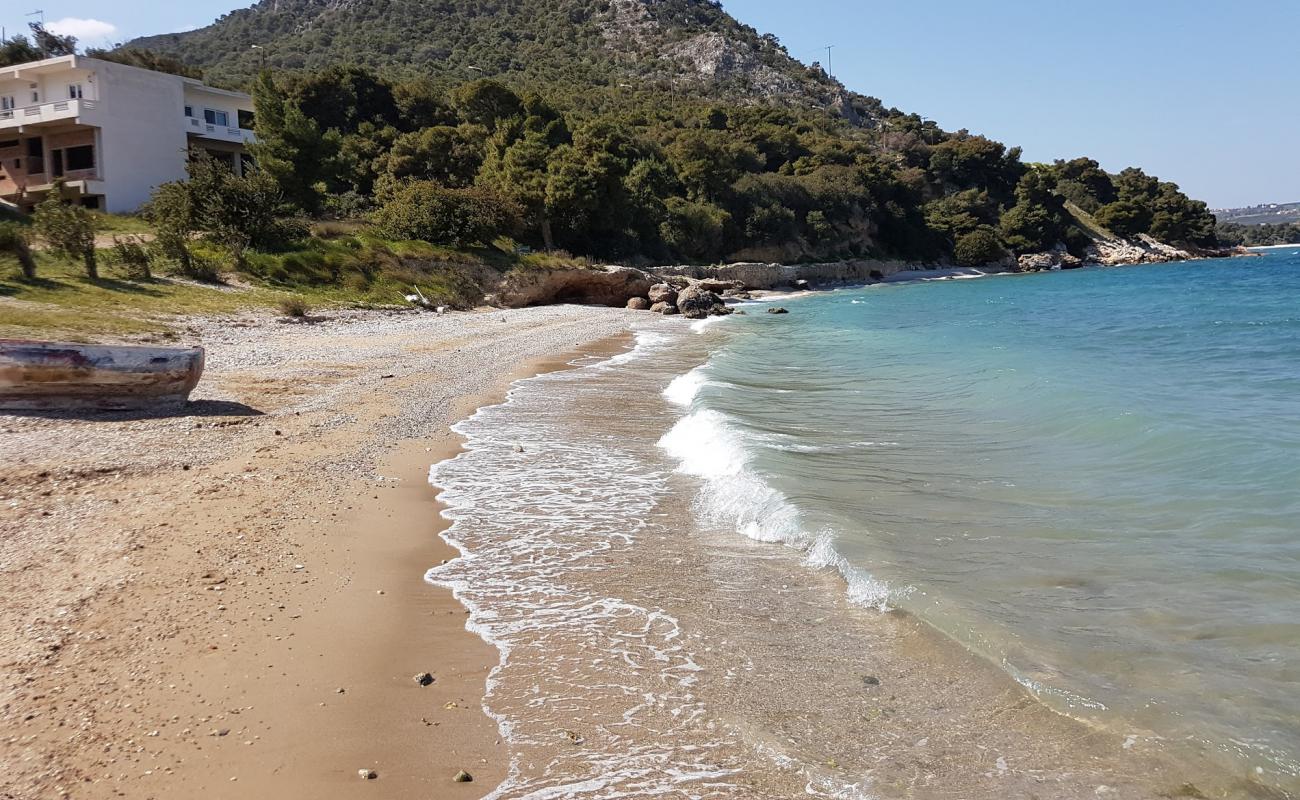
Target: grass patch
column 63, row 303
column 341, row 265
column 1088, row 222
column 120, row 223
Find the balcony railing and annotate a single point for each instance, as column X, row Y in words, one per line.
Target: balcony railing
column 199, row 127
column 42, row 112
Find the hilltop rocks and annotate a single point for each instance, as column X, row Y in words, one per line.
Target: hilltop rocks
column 603, row 286
column 696, row 302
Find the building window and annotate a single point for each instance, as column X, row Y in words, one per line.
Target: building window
column 36, row 97
column 213, row 117
column 189, row 111
column 246, row 119
column 7, row 103
column 8, row 143
column 74, row 91
column 81, row 157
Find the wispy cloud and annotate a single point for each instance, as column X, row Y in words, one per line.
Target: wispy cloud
column 92, row 29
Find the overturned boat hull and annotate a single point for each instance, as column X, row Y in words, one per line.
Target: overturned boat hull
column 57, row 376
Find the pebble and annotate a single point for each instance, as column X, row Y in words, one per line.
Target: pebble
column 367, row 774
column 463, row 777
column 423, row 678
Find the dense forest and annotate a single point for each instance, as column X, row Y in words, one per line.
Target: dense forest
column 688, row 180
column 620, row 129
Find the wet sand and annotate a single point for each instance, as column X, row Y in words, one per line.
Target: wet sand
column 229, row 602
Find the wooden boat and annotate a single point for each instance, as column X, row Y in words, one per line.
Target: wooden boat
column 56, row 376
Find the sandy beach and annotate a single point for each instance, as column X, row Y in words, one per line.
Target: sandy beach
column 229, row 602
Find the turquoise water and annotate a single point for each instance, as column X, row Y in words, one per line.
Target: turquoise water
column 1090, row 477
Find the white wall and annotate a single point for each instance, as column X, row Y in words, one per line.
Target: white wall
column 200, row 97
column 142, row 138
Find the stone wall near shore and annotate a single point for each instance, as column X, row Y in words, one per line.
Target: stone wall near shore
column 615, row 285
column 771, row 276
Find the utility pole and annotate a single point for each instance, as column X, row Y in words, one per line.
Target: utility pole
column 42, row 13
column 829, row 71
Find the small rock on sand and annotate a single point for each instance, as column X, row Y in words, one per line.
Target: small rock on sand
column 423, row 678
column 367, row 774
column 463, row 777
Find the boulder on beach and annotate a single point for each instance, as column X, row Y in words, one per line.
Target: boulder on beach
column 696, row 302
column 638, row 304
column 663, row 293
column 667, row 309
column 718, row 286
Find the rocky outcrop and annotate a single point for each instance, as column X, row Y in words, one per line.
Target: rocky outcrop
column 1142, row 250
column 1058, row 258
column 696, row 302
column 663, row 293
column 602, row 286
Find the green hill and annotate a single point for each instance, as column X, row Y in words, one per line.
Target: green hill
column 651, row 129
column 687, row 47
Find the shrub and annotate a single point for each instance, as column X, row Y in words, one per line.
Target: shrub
column 129, row 252
column 979, row 247
column 14, row 241
column 171, row 210
column 294, row 306
column 695, row 229
column 433, row 213
column 68, row 230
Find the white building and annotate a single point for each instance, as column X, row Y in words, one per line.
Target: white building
column 110, row 131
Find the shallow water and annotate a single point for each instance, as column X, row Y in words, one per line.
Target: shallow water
column 649, row 650
column 1091, row 478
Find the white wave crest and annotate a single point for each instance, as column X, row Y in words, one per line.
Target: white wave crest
column 683, row 389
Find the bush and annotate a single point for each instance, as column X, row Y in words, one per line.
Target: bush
column 68, row 230
column 979, row 247
column 171, row 210
column 695, row 229
column 14, row 241
column 129, row 253
column 294, row 307
column 433, row 213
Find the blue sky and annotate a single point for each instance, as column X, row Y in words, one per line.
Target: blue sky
column 1206, row 94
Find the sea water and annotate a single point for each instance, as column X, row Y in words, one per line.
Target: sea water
column 1091, row 478
column 1016, row 536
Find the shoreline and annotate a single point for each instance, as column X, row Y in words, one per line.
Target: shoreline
column 237, row 571
column 966, row 718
